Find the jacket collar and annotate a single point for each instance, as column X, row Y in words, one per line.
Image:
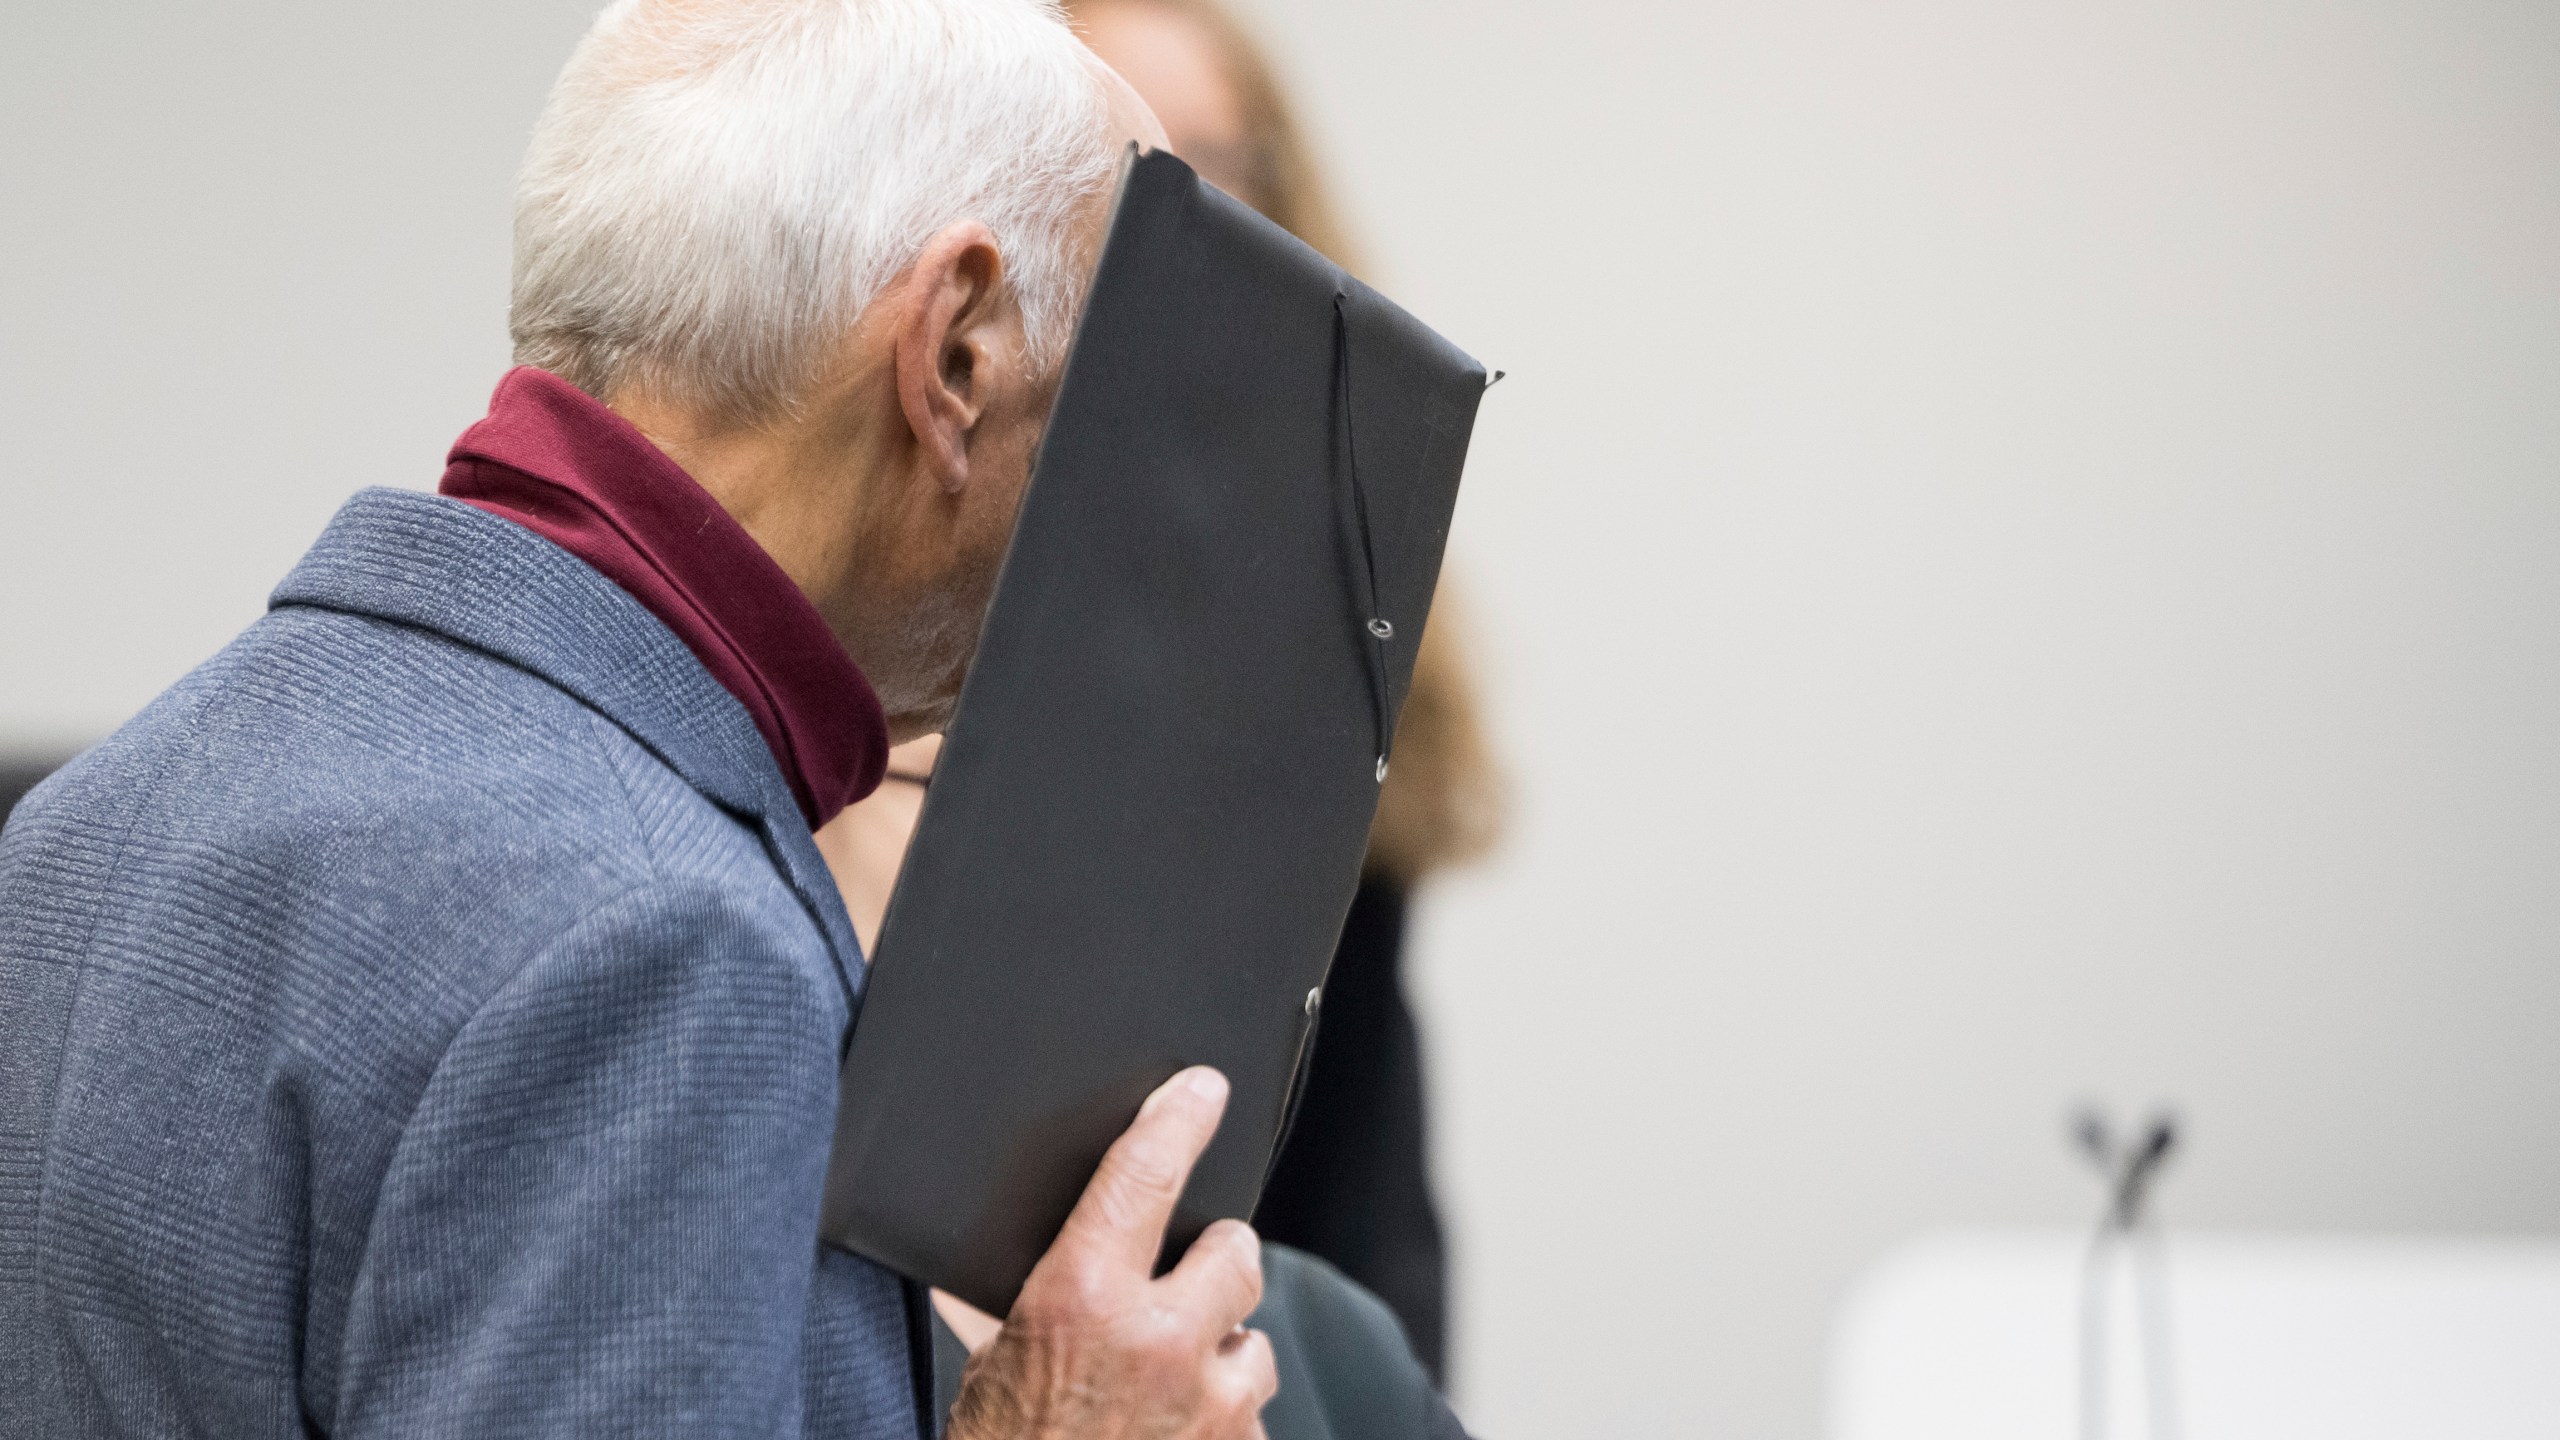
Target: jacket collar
column 491, row 584
column 570, row 469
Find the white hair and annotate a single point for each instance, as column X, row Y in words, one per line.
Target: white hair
column 718, row 187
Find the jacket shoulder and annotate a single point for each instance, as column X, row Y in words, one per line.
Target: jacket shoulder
column 376, row 827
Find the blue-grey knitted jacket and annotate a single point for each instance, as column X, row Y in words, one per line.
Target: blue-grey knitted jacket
column 423, row 1020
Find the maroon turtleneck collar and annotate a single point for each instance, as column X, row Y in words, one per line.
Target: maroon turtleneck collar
column 558, row 462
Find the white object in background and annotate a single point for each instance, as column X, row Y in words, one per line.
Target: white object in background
column 1974, row 1336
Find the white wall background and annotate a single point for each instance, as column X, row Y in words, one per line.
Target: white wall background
column 253, row 257
column 2020, row 560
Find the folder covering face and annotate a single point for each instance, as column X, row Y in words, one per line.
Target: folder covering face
column 1149, row 814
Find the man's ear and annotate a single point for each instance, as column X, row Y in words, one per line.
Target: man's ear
column 947, row 344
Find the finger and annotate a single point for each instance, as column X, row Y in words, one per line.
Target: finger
column 1220, row 1277
column 1121, row 1216
column 975, row 1328
column 1249, row 1371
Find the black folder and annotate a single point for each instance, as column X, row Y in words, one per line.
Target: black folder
column 1148, row 817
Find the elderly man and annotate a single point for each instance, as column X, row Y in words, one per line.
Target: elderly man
column 423, row 1020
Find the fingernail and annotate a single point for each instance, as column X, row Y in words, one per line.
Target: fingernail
column 1200, row 1082
column 1156, row 1097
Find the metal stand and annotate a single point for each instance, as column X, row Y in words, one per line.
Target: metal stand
column 2125, row 1230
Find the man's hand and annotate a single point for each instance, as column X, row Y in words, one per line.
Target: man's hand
column 1096, row 1347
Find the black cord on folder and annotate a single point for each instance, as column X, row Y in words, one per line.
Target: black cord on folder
column 1379, row 628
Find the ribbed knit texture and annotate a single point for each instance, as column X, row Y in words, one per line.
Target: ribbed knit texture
column 423, row 1021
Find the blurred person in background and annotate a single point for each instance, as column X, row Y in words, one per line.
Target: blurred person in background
column 1352, row 1185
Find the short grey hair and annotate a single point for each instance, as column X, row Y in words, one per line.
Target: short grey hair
column 718, row 187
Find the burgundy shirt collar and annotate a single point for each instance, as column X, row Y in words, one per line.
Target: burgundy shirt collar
column 558, row 462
